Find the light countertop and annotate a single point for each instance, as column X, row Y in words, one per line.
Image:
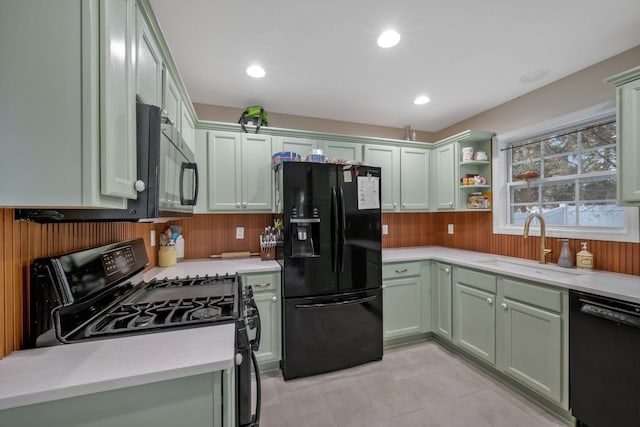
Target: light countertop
column 621, row 286
column 212, row 267
column 69, row 370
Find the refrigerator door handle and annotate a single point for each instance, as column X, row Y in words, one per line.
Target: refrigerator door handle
column 343, row 228
column 334, row 221
column 336, row 304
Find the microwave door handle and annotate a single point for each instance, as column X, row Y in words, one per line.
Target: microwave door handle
column 183, row 167
column 197, row 181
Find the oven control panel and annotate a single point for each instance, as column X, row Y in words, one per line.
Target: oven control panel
column 118, row 260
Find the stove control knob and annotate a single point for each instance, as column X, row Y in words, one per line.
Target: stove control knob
column 139, row 186
column 238, row 359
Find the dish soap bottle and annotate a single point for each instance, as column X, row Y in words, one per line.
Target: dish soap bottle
column 566, row 257
column 584, row 259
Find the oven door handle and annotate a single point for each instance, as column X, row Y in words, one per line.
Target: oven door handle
column 255, row 421
column 255, row 342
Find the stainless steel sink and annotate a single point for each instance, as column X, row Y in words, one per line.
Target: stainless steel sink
column 542, row 270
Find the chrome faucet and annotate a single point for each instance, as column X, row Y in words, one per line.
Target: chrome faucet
column 543, row 251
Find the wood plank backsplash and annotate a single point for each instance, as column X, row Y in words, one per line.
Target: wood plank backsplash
column 210, row 234
column 23, row 241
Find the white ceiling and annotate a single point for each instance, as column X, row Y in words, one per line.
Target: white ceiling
column 322, row 60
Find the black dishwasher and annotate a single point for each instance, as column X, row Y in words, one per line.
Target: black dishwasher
column 604, row 360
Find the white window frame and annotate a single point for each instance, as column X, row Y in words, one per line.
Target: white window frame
column 631, row 230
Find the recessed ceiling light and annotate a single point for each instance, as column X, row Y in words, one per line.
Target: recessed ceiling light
column 389, row 38
column 421, row 100
column 256, row 71
column 533, row 76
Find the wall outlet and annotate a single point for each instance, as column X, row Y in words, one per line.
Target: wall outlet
column 239, row 232
column 153, row 238
column 385, row 229
column 450, row 228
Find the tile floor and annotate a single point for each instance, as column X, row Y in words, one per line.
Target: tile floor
column 417, row 385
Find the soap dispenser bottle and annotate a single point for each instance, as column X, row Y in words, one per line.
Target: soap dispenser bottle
column 566, row 257
column 584, row 259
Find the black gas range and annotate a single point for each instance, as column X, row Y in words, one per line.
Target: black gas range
column 99, row 293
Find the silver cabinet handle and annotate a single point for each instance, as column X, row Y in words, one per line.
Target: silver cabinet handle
column 489, row 301
column 395, row 205
column 504, row 306
column 384, row 286
column 274, row 299
column 404, row 205
column 446, row 270
column 262, row 285
column 237, row 205
column 244, row 204
column 450, row 204
column 404, row 270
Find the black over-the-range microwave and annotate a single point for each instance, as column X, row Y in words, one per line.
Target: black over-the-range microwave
column 167, row 182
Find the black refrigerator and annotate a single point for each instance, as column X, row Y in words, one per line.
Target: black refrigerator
column 332, row 267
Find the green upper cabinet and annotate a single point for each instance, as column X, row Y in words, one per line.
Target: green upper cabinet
column 148, row 64
column 171, row 99
column 117, row 94
column 301, row 146
column 445, row 177
column 386, row 157
column 342, row 150
column 628, row 141
column 187, row 127
column 239, row 172
column 415, row 168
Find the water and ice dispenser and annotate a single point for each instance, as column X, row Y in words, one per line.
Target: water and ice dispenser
column 305, row 237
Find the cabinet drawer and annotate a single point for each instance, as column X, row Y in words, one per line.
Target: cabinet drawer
column 486, row 282
column 533, row 294
column 261, row 282
column 404, row 269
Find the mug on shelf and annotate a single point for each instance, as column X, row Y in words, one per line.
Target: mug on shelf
column 481, row 155
column 467, row 154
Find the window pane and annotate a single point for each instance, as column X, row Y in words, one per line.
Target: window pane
column 524, row 195
column 520, row 213
column 559, row 214
column 601, row 215
column 559, row 193
column 603, row 159
column 560, row 166
column 604, row 189
column 529, row 151
column 599, row 135
column 560, row 144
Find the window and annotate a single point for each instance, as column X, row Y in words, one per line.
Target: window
column 564, row 170
column 569, row 178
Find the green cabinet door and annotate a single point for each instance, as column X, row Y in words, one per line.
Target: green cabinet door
column 533, row 347
column 256, row 177
column 445, row 181
column 266, row 293
column 342, row 150
column 628, row 122
column 187, row 127
column 415, row 165
column 172, row 100
column 148, row 64
column 441, row 300
column 475, row 322
column 388, row 159
column 118, row 166
column 402, row 307
column 223, row 171
column 302, row 146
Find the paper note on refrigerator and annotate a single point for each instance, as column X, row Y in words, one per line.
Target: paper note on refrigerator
column 368, row 192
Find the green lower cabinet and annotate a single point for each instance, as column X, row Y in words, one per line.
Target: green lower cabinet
column 533, row 336
column 266, row 293
column 199, row 399
column 402, row 307
column 441, row 300
column 475, row 322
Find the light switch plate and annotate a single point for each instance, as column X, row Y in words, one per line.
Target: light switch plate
column 385, row 229
column 152, row 238
column 239, row 232
column 450, row 228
